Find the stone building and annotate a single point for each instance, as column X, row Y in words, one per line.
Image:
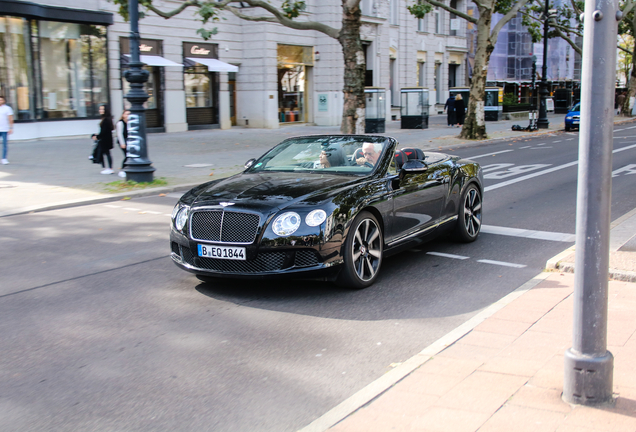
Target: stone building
column 59, row 62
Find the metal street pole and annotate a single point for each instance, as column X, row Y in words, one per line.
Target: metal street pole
column 138, row 167
column 543, row 122
column 589, row 366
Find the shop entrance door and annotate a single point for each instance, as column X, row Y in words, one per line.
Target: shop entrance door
column 231, row 85
column 201, row 97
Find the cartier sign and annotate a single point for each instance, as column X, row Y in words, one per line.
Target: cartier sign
column 201, row 50
column 146, row 46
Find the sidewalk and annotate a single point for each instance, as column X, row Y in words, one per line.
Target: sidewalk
column 503, row 369
column 54, row 173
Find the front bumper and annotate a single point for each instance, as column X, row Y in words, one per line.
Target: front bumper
column 305, row 259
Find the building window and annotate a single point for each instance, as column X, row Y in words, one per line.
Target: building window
column 421, row 74
column 197, row 87
column 394, row 12
column 438, row 23
column 367, row 7
column 454, row 21
column 16, row 80
column 73, row 59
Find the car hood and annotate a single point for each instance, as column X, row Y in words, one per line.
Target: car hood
column 269, row 190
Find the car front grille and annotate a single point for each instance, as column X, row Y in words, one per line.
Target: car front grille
column 224, row 226
column 264, row 262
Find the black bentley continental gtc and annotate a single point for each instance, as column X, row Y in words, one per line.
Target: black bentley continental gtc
column 325, row 207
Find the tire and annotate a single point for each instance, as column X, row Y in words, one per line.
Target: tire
column 469, row 215
column 206, row 279
column 567, row 128
column 362, row 253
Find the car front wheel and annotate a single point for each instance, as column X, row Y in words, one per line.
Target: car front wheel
column 362, row 253
column 469, row 216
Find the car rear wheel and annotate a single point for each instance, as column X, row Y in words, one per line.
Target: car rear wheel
column 469, row 220
column 362, row 253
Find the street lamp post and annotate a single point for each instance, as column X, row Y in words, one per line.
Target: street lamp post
column 138, row 167
column 543, row 122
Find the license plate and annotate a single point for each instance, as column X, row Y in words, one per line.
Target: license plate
column 575, row 122
column 222, row 252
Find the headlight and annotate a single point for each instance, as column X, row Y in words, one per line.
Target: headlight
column 181, row 218
column 286, row 224
column 175, row 210
column 315, row 218
column 568, row 117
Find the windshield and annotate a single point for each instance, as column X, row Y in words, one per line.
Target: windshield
column 577, row 107
column 347, row 154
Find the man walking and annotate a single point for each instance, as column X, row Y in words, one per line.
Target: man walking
column 6, row 127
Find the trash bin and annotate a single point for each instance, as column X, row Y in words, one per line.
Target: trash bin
column 414, row 108
column 375, row 109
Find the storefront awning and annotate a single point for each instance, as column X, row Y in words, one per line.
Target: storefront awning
column 213, row 65
column 149, row 60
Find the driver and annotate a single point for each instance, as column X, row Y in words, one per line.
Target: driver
column 370, row 155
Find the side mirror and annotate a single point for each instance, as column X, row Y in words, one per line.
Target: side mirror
column 249, row 163
column 413, row 166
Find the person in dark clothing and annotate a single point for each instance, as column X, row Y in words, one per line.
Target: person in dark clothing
column 460, row 110
column 122, row 136
column 105, row 139
column 449, row 107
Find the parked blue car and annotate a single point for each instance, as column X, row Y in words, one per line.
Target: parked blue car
column 573, row 118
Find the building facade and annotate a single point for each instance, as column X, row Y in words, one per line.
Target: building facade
column 60, row 62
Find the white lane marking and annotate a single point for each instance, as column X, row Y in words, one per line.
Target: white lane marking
column 529, row 176
column 111, row 206
column 520, row 169
column 175, row 194
column 541, row 148
column 167, row 214
column 525, row 147
column 628, row 169
column 200, row 165
column 525, row 233
column 445, row 255
column 541, row 144
column 502, row 263
column 618, row 130
column 624, row 148
column 631, row 127
column 489, row 154
column 150, row 212
column 569, row 139
column 131, row 209
column 556, row 141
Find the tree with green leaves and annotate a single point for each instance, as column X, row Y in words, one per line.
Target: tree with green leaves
column 348, row 35
column 475, row 124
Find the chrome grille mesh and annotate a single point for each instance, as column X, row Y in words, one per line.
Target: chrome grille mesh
column 224, row 226
column 305, row 258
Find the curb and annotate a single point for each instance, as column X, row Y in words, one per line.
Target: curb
column 102, row 199
column 389, row 379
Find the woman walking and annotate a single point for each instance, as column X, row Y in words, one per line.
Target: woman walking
column 122, row 136
column 105, row 139
column 460, row 109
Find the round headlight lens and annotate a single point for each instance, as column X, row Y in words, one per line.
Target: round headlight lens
column 286, row 224
column 181, row 219
column 175, row 210
column 315, row 218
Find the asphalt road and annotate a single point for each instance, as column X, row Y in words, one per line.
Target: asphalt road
column 101, row 332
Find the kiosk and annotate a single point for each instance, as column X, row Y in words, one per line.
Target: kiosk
column 414, row 109
column 375, row 109
column 493, row 108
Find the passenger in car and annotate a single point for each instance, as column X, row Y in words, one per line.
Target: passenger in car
column 331, row 158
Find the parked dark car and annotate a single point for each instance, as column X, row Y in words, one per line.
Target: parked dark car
column 328, row 207
column 573, row 118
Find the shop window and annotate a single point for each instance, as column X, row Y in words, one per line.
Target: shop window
column 292, row 83
column 16, row 81
column 198, row 87
column 150, row 86
column 73, row 59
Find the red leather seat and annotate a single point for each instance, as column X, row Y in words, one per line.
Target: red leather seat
column 400, row 158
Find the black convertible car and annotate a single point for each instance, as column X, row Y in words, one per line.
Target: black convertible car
column 328, row 207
